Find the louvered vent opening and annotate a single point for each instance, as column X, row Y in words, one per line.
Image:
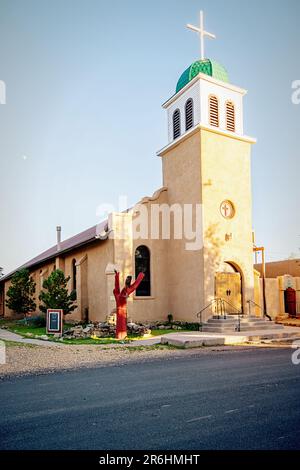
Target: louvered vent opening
column 176, row 124
column 189, row 118
column 213, row 111
column 230, row 117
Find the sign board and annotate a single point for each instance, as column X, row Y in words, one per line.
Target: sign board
column 54, row 322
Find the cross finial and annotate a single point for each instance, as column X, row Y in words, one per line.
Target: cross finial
column 202, row 33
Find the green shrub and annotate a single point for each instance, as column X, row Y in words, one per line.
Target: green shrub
column 20, row 295
column 170, row 318
column 55, row 293
column 38, row 321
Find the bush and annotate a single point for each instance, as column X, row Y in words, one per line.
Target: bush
column 187, row 325
column 170, row 318
column 55, row 293
column 20, row 295
column 38, row 321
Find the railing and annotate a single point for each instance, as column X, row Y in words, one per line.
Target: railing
column 251, row 302
column 219, row 306
column 238, row 313
column 199, row 314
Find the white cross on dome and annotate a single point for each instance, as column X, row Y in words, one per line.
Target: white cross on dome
column 202, row 33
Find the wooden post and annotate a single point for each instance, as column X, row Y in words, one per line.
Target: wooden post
column 263, row 272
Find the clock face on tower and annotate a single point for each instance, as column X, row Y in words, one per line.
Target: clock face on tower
column 227, row 209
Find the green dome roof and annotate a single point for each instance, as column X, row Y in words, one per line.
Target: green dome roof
column 207, row 66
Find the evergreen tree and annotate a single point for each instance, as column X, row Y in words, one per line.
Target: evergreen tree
column 56, row 294
column 20, row 293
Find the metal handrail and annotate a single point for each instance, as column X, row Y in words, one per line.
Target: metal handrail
column 220, row 306
column 256, row 305
column 232, row 306
column 239, row 313
column 199, row 314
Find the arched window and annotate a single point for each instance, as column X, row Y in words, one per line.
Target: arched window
column 230, row 116
column 189, row 114
column 176, row 124
column 74, row 275
column 213, row 111
column 142, row 265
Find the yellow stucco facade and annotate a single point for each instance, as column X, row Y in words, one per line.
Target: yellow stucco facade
column 207, row 182
column 204, row 169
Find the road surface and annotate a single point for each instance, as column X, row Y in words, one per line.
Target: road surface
column 246, row 399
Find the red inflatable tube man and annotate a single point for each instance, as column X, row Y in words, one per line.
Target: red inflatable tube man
column 121, row 301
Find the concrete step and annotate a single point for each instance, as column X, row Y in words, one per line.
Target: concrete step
column 217, row 329
column 214, row 321
column 266, row 324
column 262, row 327
column 222, row 325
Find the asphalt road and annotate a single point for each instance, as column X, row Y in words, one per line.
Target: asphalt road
column 231, row 400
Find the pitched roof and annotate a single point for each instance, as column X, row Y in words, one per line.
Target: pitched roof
column 87, row 236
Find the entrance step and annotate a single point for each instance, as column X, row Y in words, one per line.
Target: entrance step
column 230, row 324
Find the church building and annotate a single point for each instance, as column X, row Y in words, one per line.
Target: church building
column 205, row 173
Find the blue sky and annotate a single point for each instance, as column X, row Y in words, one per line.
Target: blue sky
column 83, row 119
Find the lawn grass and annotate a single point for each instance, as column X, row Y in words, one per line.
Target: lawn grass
column 93, row 341
column 164, row 332
column 23, row 330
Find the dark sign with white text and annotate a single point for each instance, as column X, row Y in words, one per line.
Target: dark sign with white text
column 54, row 320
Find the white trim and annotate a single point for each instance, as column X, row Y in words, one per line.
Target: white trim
column 208, row 78
column 174, row 143
column 233, row 135
column 145, row 297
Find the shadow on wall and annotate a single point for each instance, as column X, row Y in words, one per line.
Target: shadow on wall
column 212, row 261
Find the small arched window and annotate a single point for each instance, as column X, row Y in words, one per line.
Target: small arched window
column 74, row 275
column 176, row 124
column 142, row 265
column 189, row 114
column 230, row 116
column 213, row 111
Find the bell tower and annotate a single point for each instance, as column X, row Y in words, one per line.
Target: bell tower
column 207, row 161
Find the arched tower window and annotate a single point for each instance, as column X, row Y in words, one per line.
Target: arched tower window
column 189, row 114
column 230, row 116
column 176, row 124
column 142, row 265
column 74, row 275
column 213, row 111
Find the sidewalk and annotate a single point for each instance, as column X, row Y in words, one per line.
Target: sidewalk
column 9, row 336
column 197, row 339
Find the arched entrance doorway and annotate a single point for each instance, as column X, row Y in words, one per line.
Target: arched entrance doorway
column 228, row 286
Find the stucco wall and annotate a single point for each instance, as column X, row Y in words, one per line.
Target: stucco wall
column 226, row 176
column 182, row 177
column 280, row 268
column 91, row 288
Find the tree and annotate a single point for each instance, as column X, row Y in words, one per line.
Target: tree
column 20, row 293
column 56, row 294
column 1, row 272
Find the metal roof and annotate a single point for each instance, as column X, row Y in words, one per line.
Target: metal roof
column 82, row 238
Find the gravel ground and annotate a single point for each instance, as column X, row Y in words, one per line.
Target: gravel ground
column 28, row 359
